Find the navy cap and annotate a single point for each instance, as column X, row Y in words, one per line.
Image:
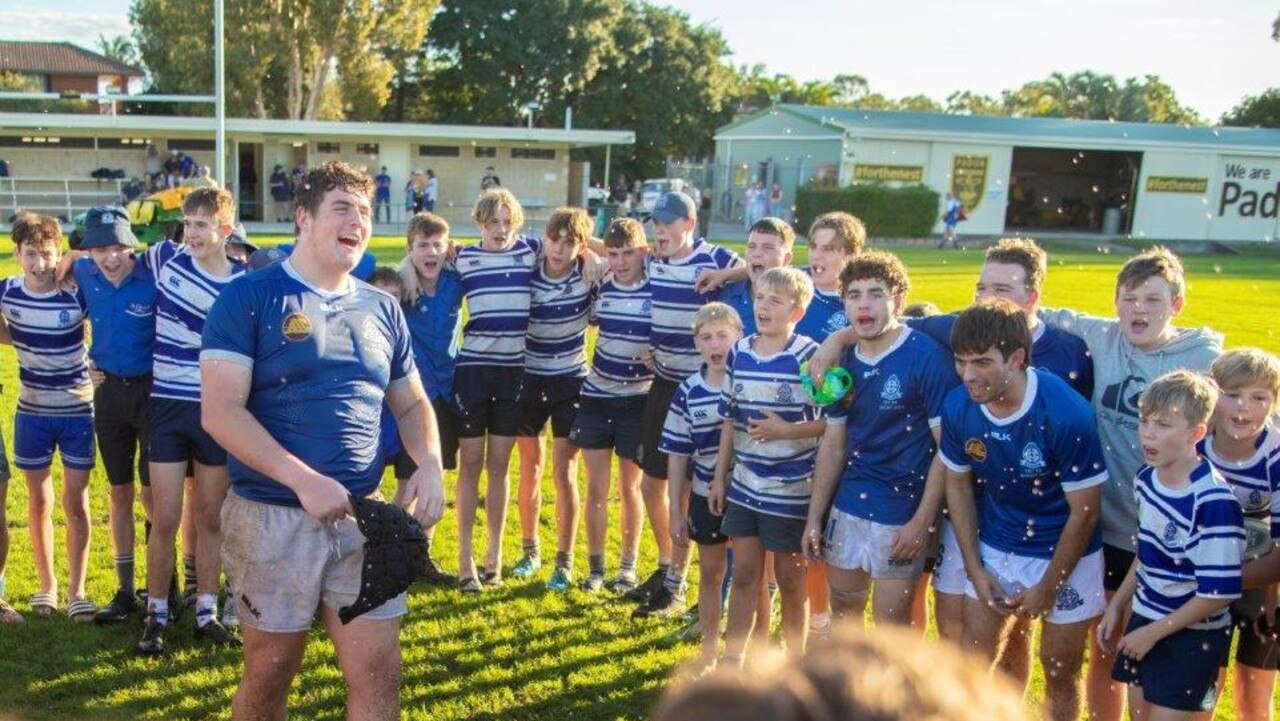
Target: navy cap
column 239, row 236
column 266, row 257
column 674, row 206
column 105, row 226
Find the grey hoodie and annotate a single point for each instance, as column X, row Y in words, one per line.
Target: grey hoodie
column 1121, row 372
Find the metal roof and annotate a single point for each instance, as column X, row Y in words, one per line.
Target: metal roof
column 48, row 58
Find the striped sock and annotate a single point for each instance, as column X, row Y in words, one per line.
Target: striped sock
column 188, row 574
column 159, row 607
column 124, row 573
column 627, row 567
column 596, row 563
column 206, row 608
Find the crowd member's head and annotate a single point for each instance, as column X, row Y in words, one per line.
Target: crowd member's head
column 238, row 245
column 888, row 675
column 208, row 216
column 674, row 221
column 874, row 287
column 716, row 327
column 781, row 297
column 566, row 235
column 834, row 238
column 37, row 243
column 1014, row 269
column 427, row 250
column 626, row 249
column 1173, row 416
column 1150, row 292
column 499, row 218
column 921, row 309
column 769, row 245
column 333, row 213
column 387, row 280
column 1249, row 381
column 991, row 342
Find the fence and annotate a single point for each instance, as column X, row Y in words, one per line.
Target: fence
column 61, row 197
column 729, row 185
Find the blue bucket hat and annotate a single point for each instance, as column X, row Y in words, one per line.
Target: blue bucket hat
column 105, row 226
column 674, row 206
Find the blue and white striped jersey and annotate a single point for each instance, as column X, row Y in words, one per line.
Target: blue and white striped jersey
column 692, row 428
column 47, row 330
column 1190, row 541
column 774, row 477
column 675, row 303
column 1256, row 480
column 623, row 315
column 186, row 293
column 556, row 344
column 497, row 288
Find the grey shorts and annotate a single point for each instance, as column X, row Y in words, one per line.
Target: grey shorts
column 283, row 564
column 776, row 533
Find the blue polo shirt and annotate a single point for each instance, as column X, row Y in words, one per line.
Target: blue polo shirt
column 123, row 319
column 434, row 321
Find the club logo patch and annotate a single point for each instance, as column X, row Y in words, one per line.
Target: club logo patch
column 1069, row 599
column 1032, row 459
column 892, row 390
column 1170, row 533
column 297, row 327
column 976, row 449
column 785, row 394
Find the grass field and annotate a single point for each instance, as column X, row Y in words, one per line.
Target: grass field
column 519, row 653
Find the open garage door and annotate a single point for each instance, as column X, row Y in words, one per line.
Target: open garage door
column 1087, row 191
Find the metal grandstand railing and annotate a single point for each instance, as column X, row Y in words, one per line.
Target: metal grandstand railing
column 61, row 197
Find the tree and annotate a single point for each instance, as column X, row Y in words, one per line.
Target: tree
column 1256, row 111
column 1093, row 96
column 965, row 102
column 120, row 48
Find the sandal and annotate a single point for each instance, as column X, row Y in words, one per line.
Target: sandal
column 81, row 610
column 8, row 614
column 45, row 603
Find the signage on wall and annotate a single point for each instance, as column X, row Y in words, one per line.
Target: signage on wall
column 969, row 180
column 1250, row 189
column 889, row 173
column 1176, row 184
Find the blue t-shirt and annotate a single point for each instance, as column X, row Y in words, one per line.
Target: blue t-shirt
column 382, row 186
column 122, row 320
column 1053, row 349
column 896, row 404
column 321, row 364
column 434, row 322
column 1026, row 463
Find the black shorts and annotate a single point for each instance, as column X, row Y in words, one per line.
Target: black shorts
column 446, row 427
column 486, row 400
column 1116, row 562
column 776, row 533
column 703, row 525
column 176, row 436
column 1179, row 672
column 543, row 397
column 652, row 460
column 604, row 423
column 1253, row 650
column 122, row 412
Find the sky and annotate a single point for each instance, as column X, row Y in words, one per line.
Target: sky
column 1212, row 53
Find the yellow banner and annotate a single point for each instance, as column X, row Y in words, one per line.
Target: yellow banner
column 969, row 180
column 1175, row 184
column 891, row 173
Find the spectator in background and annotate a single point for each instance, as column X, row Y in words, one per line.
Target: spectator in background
column 618, row 190
column 432, row 192
column 154, row 165
column 172, row 168
column 704, row 214
column 490, row 180
column 417, row 189
column 382, row 195
column 776, row 208
column 295, row 178
column 755, row 204
column 132, row 190
column 203, row 178
column 281, row 194
column 186, row 165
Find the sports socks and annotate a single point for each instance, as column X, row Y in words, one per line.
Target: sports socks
column 124, row 573
column 159, row 607
column 531, row 547
column 564, row 560
column 595, row 562
column 206, row 608
column 188, row 574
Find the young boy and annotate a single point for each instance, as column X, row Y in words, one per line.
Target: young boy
column 765, row 505
column 45, row 325
column 692, row 435
column 1187, row 571
column 1129, row 352
column 554, row 366
column 878, row 487
column 770, row 242
column 673, row 276
column 1243, row 446
column 613, row 402
column 834, row 239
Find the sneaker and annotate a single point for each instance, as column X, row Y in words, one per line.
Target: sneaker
column 470, row 586
column 229, row 617
column 644, row 591
column 561, row 579
column 122, row 606
column 435, row 577
column 216, row 633
column 152, row 642
column 622, row 584
column 492, row 578
column 593, row 583
column 527, row 566
column 691, row 632
column 662, row 603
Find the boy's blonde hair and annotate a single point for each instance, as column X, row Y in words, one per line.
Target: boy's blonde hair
column 850, row 232
column 1154, row 262
column 487, row 205
column 716, row 313
column 1186, row 393
column 573, row 222
column 35, row 229
column 791, row 281
column 1247, row 367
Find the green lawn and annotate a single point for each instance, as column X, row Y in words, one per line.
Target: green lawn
column 520, row 653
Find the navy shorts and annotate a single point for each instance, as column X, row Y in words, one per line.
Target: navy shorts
column 176, row 436
column 652, row 459
column 1253, row 650
column 36, row 437
column 1115, row 566
column 604, row 423
column 487, row 400
column 122, row 407
column 548, row 397
column 1179, row 672
column 703, row 525
column 776, row 533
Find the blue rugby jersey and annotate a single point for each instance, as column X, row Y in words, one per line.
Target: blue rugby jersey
column 185, row 295
column 556, row 344
column 47, row 330
column 622, row 313
column 434, row 322
column 775, row 477
column 1189, row 544
column 1026, row 463
column 675, row 303
column 497, row 288
column 1256, row 480
column 692, row 428
column 896, row 403
column 122, row 320
column 824, row 316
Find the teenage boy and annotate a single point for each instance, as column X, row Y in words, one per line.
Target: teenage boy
column 691, row 440
column 770, row 244
column 1187, row 570
column 766, row 502
column 834, row 239
column 878, row 487
column 1128, row 352
column 45, row 325
column 613, row 402
column 188, row 280
column 555, row 364
column 1030, row 542
column 678, row 260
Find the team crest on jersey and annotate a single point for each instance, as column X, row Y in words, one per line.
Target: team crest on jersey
column 297, row 327
column 892, row 390
column 175, row 281
column 976, row 449
column 1069, row 599
column 837, row 321
column 785, row 394
column 1255, row 498
column 646, row 307
column 15, row 313
column 737, row 388
column 64, row 317
column 1032, row 459
column 699, row 415
column 139, row 309
column 1170, row 533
